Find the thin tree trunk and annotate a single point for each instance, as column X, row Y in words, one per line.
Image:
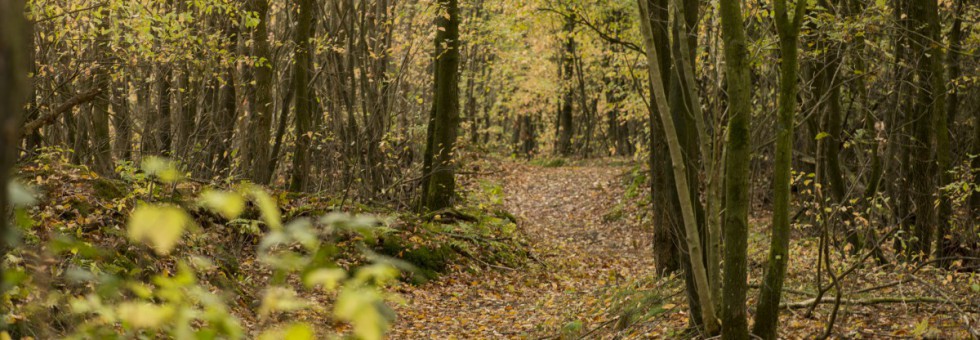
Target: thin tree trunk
column 565, row 125
column 734, row 324
column 301, row 80
column 924, row 17
column 666, row 222
column 680, row 175
column 255, row 156
column 101, row 147
column 767, row 312
column 937, row 109
column 121, row 120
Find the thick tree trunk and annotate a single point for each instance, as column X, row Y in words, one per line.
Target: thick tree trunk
column 14, row 84
column 445, row 111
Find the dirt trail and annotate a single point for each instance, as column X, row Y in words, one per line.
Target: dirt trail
column 561, row 213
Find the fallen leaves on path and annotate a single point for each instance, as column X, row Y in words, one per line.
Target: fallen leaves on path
column 580, row 253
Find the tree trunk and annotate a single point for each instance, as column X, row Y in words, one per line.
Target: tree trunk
column 301, row 80
column 121, row 121
column 255, row 156
column 14, row 84
column 101, row 147
column 734, row 324
column 937, row 114
column 445, row 111
column 567, row 69
column 156, row 130
column 680, row 175
column 767, row 312
column 924, row 17
column 666, row 220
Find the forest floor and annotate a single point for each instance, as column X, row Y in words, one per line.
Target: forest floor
column 593, row 275
column 573, row 218
column 578, row 266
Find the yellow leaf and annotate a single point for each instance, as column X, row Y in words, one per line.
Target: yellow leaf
column 228, row 204
column 144, row 314
column 280, row 299
column 159, row 226
column 296, row 331
column 328, row 278
column 267, row 206
column 162, row 168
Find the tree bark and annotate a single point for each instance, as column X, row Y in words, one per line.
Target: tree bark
column 255, row 157
column 14, row 84
column 303, row 117
column 445, row 111
column 680, row 175
column 567, row 69
column 734, row 324
column 924, row 17
column 767, row 312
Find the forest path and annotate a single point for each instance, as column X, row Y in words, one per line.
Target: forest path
column 582, row 254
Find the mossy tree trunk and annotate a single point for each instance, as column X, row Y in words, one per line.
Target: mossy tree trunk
column 734, row 324
column 444, row 123
column 767, row 312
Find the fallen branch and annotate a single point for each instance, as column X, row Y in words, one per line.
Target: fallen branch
column 50, row 117
column 868, row 302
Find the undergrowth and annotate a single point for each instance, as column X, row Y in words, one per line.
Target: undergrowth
column 79, row 265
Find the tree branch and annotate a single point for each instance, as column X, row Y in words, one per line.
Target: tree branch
column 50, row 117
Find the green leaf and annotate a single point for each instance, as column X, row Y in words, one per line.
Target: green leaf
column 822, row 135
